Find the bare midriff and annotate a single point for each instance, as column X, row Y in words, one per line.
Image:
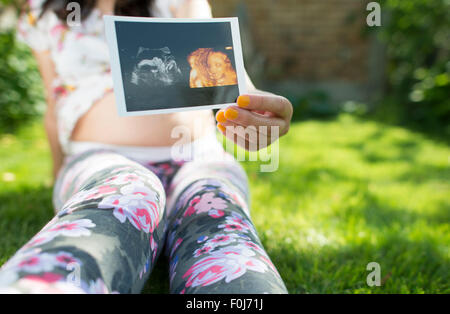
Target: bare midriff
column 102, row 124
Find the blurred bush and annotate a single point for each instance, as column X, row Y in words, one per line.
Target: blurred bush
column 313, row 104
column 416, row 34
column 21, row 91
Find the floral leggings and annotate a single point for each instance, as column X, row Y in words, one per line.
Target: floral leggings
column 115, row 215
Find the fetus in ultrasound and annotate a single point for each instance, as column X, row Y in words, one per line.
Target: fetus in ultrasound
column 210, row 68
column 155, row 68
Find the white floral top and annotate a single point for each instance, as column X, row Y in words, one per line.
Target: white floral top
column 81, row 59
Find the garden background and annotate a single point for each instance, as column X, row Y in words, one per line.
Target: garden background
column 364, row 171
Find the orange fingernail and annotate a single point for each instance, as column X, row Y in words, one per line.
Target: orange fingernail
column 221, row 117
column 221, row 127
column 243, row 101
column 231, row 114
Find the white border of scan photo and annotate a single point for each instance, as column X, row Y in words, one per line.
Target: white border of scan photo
column 111, row 37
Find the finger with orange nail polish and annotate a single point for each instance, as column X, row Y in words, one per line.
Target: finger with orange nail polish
column 220, row 117
column 243, row 101
column 221, row 127
column 231, row 114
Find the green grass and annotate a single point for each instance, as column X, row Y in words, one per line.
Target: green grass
column 347, row 192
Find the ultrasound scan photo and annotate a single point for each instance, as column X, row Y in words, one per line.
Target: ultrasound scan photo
column 165, row 65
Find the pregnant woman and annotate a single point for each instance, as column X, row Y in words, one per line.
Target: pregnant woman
column 119, row 197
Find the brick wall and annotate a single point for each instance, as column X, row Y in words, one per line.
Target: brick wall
column 306, row 40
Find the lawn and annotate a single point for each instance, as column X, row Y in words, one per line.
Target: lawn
column 347, row 192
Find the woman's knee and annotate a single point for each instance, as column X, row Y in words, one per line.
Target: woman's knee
column 208, row 196
column 227, row 180
column 111, row 181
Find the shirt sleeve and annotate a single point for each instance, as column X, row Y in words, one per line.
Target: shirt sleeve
column 32, row 28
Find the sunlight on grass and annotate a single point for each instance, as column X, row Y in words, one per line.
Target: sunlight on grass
column 347, row 192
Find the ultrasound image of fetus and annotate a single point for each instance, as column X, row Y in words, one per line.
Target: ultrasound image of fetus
column 155, row 68
column 210, row 68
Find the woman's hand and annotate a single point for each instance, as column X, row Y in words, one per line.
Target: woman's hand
column 254, row 122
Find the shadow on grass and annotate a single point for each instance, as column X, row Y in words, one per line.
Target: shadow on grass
column 425, row 173
column 406, row 267
column 401, row 151
column 436, row 132
column 377, row 212
column 404, row 149
column 380, row 215
column 24, row 211
column 159, row 278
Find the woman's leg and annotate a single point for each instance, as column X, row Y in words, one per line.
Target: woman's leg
column 212, row 244
column 105, row 237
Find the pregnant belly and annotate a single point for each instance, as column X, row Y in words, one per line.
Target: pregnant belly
column 102, row 124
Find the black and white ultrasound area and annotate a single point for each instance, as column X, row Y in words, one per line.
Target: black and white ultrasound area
column 155, row 68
